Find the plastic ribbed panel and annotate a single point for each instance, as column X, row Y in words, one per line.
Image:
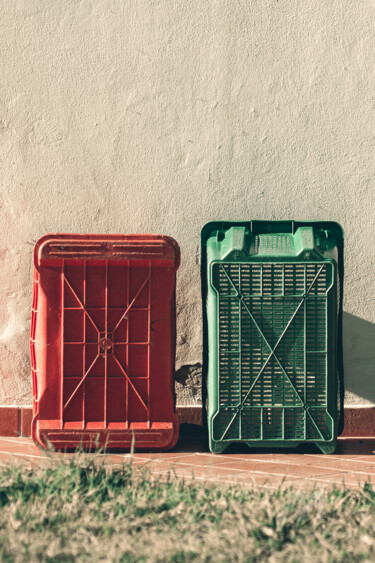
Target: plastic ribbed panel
column 272, row 351
column 102, row 341
column 271, row 326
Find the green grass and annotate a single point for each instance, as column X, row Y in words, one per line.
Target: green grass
column 81, row 511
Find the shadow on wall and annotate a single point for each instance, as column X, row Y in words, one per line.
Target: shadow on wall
column 188, row 384
column 359, row 359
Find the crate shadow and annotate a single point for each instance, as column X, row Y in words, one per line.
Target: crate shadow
column 359, row 358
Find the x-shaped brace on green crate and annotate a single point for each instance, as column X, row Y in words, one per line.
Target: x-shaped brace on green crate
column 272, row 350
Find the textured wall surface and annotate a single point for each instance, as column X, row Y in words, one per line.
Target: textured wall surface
column 160, row 115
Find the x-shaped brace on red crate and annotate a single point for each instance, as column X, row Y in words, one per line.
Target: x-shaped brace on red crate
column 123, row 316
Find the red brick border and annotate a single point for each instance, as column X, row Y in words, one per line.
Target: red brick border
column 25, row 422
column 9, row 421
column 359, row 422
column 189, row 415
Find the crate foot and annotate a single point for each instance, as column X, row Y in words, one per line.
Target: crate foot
column 327, row 447
column 217, row 447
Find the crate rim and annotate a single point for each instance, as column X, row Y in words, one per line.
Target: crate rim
column 95, row 237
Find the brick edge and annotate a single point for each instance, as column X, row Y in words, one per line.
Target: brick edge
column 358, row 422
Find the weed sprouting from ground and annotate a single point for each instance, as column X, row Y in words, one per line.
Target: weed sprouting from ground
column 80, row 510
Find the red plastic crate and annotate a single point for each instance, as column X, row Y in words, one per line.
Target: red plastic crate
column 103, row 341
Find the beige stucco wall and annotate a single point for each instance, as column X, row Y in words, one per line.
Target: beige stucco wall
column 160, row 115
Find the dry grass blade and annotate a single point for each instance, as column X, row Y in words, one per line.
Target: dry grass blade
column 80, row 510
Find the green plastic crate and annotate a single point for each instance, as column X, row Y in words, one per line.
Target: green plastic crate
column 272, row 325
